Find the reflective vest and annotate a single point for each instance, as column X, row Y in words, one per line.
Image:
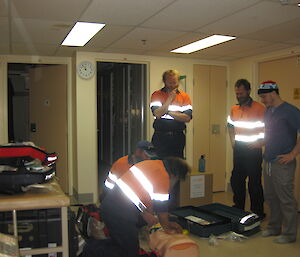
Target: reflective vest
column 181, row 103
column 247, row 121
column 145, row 182
column 118, row 168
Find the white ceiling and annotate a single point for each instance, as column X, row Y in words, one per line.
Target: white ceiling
column 150, row 27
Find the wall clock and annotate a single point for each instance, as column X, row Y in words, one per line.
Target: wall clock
column 86, row 70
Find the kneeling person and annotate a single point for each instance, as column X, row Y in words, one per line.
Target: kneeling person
column 146, row 185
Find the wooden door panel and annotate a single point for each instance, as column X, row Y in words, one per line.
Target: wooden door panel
column 209, row 115
column 48, row 111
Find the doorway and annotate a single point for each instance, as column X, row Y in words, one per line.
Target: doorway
column 122, row 105
column 37, row 110
column 209, row 115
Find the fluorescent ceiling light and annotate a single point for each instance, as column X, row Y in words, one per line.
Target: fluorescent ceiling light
column 203, row 43
column 81, row 33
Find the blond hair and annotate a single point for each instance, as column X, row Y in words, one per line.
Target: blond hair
column 170, row 73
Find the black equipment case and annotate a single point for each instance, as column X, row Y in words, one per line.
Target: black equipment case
column 41, row 229
column 201, row 222
column 242, row 222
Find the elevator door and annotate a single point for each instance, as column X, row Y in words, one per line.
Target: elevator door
column 121, row 94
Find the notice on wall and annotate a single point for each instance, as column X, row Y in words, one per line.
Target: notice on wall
column 197, row 186
column 296, row 93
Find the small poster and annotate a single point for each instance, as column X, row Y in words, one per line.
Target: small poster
column 197, row 186
column 296, row 93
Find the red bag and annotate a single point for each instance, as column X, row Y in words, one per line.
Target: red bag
column 90, row 224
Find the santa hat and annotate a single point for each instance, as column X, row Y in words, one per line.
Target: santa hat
column 267, row 87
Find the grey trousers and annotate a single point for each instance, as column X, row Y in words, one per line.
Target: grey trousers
column 279, row 195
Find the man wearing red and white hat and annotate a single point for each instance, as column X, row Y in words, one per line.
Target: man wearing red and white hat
column 282, row 127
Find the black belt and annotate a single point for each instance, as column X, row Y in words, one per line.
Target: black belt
column 169, row 133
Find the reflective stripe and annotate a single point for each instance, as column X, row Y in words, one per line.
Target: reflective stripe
column 167, row 117
column 51, row 158
column 160, row 197
column 147, row 185
column 131, row 194
column 187, row 107
column 173, row 107
column 156, row 104
column 112, row 176
column 252, row 138
column 179, row 108
column 246, row 124
column 249, row 216
column 109, row 185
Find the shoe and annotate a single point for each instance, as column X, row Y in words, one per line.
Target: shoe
column 267, row 233
column 283, row 240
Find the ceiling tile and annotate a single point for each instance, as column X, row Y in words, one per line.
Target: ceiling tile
column 4, row 8
column 285, row 32
column 177, row 42
column 188, row 15
column 257, row 17
column 37, row 49
column 39, row 31
column 226, row 58
column 152, row 37
column 120, row 12
column 62, row 10
column 262, row 50
column 4, row 49
column 233, row 46
column 123, row 51
column 108, row 35
column 69, row 51
column 177, row 55
column 4, row 28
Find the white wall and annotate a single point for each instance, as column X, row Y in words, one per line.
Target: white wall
column 87, row 111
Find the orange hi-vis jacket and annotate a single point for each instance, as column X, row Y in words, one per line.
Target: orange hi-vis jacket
column 145, row 182
column 118, row 168
column 248, row 121
column 181, row 103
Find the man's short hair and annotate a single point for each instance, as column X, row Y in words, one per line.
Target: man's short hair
column 170, row 73
column 243, row 82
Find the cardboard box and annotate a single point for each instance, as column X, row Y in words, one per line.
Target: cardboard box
column 196, row 190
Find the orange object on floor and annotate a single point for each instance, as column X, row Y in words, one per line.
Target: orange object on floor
column 173, row 245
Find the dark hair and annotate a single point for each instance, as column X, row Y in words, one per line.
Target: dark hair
column 177, row 166
column 243, row 82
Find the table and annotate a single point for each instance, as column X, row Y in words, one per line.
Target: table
column 48, row 195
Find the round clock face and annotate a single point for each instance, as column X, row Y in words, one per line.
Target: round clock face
column 86, row 70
